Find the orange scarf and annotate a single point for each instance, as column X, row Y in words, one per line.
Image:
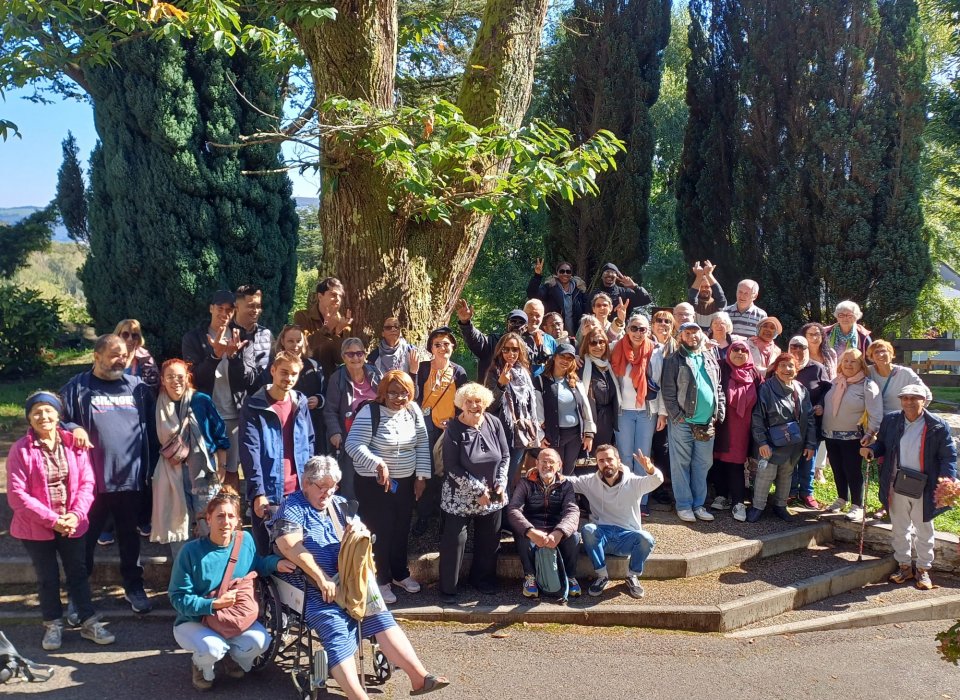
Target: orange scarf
column 624, row 354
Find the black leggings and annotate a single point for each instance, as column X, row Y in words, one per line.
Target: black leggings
column 388, row 516
column 728, row 478
column 845, row 461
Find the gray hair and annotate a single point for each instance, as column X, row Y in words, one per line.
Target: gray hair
column 724, row 319
column 347, row 342
column 686, row 306
column 851, row 306
column 639, row 315
column 472, row 390
column 319, row 468
column 754, row 285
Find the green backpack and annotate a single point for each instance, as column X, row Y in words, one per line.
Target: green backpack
column 551, row 576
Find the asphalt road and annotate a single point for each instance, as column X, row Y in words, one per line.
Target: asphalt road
column 549, row 662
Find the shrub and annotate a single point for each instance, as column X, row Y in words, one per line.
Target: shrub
column 29, row 324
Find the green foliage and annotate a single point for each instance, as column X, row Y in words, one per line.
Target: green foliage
column 172, row 220
column 310, row 248
column 307, row 279
column 604, row 73
column 53, row 274
column 29, row 325
column 71, row 199
column 32, row 233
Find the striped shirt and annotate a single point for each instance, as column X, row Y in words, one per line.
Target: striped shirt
column 745, row 322
column 401, row 442
column 55, row 464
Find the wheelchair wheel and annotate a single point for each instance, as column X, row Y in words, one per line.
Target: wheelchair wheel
column 271, row 617
column 382, row 669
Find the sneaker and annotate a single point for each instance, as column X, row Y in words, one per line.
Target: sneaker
column 740, row 512
column 530, row 589
column 645, row 510
column 720, row 503
column 106, row 539
column 145, row 530
column 574, row 586
column 138, row 600
column 687, row 515
column 96, row 631
column 782, row 513
column 408, row 584
column 230, row 667
column 837, row 506
column 598, row 586
column 923, row 580
column 754, row 514
column 810, row 502
column 52, row 635
column 702, row 513
column 903, row 575
column 73, row 618
column 855, row 514
column 199, row 682
column 634, row 589
column 386, row 592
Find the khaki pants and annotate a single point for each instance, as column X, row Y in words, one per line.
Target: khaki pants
column 910, row 532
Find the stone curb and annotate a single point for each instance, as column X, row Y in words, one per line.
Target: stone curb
column 942, row 608
column 691, row 618
column 877, row 536
column 426, row 568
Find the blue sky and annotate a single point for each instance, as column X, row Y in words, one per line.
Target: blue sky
column 28, row 165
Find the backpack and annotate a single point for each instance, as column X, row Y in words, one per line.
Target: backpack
column 374, row 415
column 12, row 665
column 551, row 575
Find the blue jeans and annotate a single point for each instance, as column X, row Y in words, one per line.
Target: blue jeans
column 802, row 480
column 635, row 431
column 611, row 539
column 690, row 460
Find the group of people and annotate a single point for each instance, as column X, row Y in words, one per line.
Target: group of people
column 664, row 404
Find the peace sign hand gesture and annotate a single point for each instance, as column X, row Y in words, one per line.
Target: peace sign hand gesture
column 538, row 266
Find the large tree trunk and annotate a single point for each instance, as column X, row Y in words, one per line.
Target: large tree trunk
column 389, row 263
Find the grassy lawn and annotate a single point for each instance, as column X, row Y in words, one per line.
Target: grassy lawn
column 13, row 392
column 827, row 493
column 947, row 394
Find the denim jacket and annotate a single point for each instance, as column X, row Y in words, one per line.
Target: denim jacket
column 678, row 386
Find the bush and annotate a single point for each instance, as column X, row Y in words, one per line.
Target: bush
column 29, row 325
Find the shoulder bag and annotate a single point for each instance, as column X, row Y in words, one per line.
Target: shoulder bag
column 911, row 482
column 787, row 434
column 177, row 448
column 236, row 619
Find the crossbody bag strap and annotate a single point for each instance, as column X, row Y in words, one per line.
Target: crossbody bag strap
column 442, row 393
column 231, row 563
column 335, row 517
column 796, row 404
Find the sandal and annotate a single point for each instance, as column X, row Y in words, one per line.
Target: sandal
column 431, row 683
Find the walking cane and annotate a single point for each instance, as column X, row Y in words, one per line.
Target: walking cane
column 863, row 518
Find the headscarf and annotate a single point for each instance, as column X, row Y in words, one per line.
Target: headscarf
column 840, row 385
column 45, row 397
column 740, row 386
column 624, row 354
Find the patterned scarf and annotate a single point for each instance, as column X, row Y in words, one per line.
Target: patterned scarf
column 841, row 341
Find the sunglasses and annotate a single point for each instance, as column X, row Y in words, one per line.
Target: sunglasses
column 565, row 271
column 126, row 335
column 516, row 350
column 638, row 329
column 662, row 320
column 391, row 327
column 595, row 343
column 354, row 354
column 797, row 346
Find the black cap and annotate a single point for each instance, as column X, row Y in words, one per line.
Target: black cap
column 438, row 332
column 223, row 296
column 518, row 313
column 566, row 349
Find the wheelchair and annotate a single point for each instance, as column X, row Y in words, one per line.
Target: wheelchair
column 295, row 648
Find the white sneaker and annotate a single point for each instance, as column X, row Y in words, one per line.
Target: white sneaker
column 408, row 584
column 96, row 632
column 740, row 513
column 836, row 506
column 703, row 514
column 386, row 592
column 52, row 635
column 687, row 516
column 855, row 514
column 720, row 503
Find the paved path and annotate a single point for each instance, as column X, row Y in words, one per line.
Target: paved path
column 546, row 662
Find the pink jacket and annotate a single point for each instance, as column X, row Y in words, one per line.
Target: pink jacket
column 27, row 492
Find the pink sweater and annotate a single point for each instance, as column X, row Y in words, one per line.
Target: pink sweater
column 33, row 518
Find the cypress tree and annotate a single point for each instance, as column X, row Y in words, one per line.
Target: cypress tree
column 71, row 199
column 171, row 218
column 607, row 76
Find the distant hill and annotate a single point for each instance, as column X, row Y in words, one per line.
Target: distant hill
column 303, row 202
column 11, row 215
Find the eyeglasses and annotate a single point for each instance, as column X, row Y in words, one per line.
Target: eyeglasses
column 638, row 329
column 516, row 350
column 126, row 335
column 515, row 321
column 391, row 327
column 598, row 341
column 565, row 271
column 354, row 354
column 739, row 351
column 398, row 395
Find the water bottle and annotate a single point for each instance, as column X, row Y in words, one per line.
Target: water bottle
column 763, row 464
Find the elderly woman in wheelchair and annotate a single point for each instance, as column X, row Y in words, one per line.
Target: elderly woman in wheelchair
column 305, row 533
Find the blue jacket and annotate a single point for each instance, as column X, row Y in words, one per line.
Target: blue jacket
column 261, row 444
column 210, row 422
column 939, row 457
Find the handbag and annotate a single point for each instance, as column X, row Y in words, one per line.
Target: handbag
column 236, row 619
column 524, row 430
column 910, row 483
column 176, row 449
column 787, row 434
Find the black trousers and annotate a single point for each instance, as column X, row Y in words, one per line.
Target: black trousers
column 486, row 549
column 728, row 478
column 125, row 507
column 846, row 463
column 429, row 503
column 568, row 550
column 388, row 516
column 571, row 442
column 72, row 553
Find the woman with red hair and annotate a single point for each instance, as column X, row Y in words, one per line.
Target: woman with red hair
column 193, row 439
